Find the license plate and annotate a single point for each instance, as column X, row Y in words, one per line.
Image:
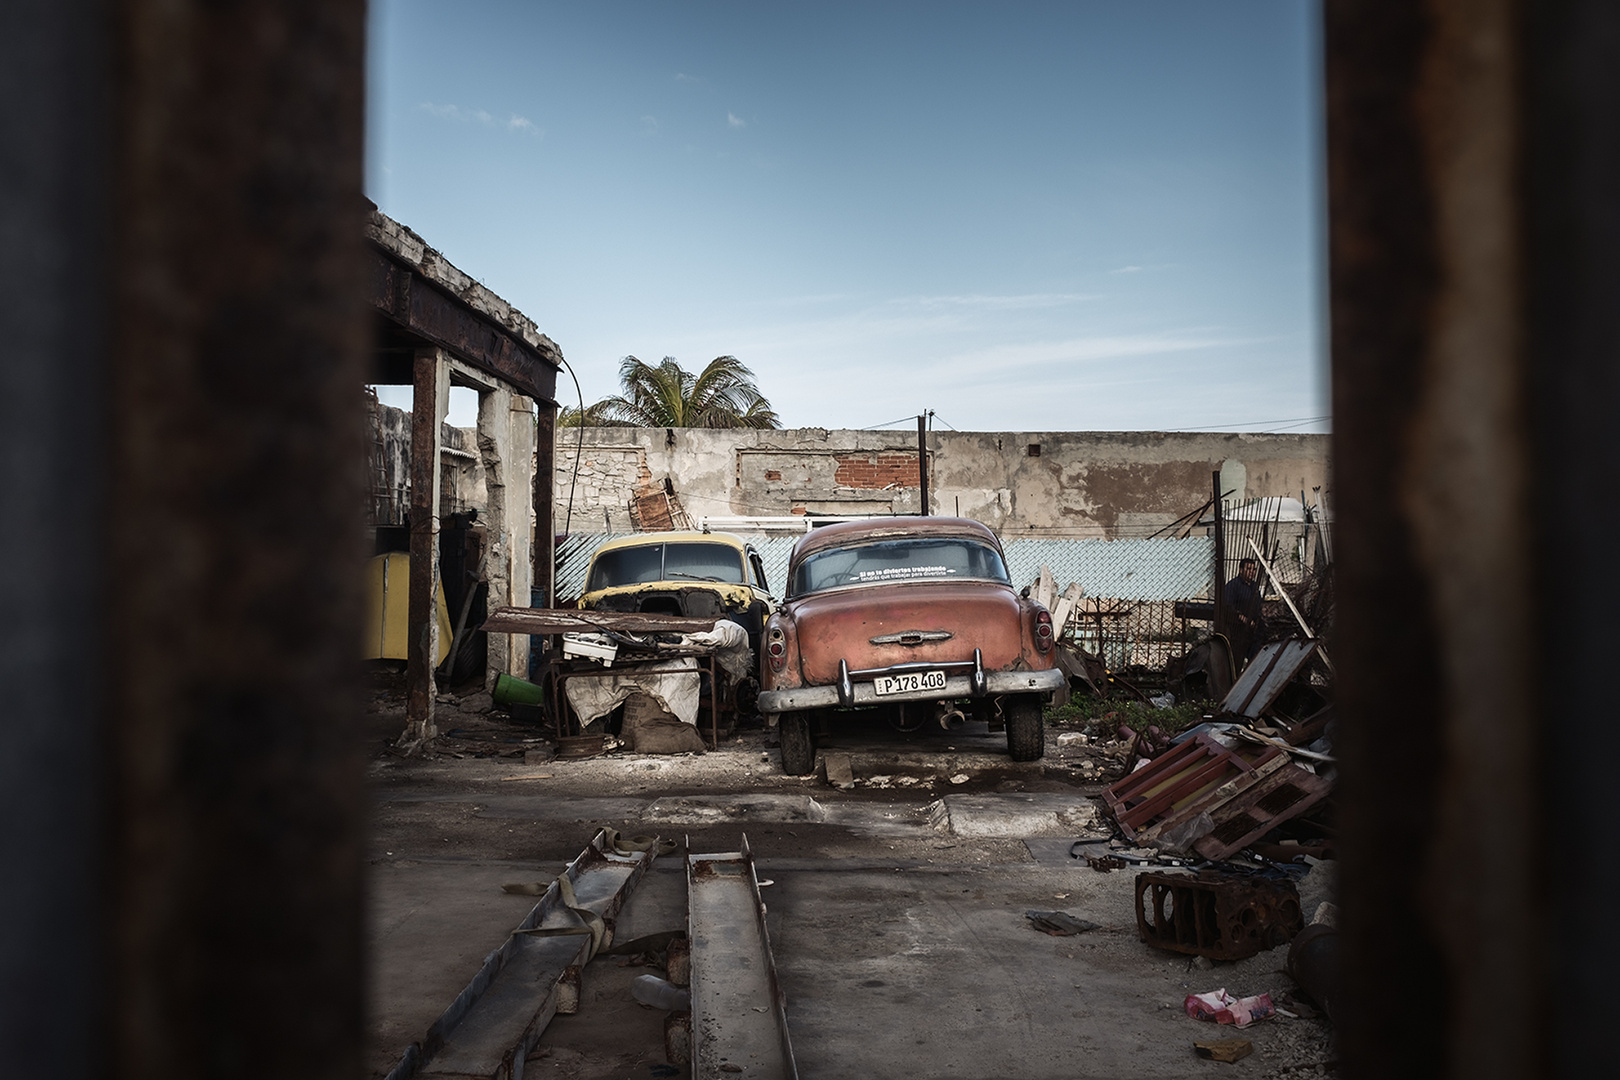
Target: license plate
column 910, row 682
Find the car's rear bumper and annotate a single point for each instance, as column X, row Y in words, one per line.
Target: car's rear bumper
column 956, row 686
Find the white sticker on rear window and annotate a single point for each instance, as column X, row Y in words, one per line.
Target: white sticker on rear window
column 894, row 573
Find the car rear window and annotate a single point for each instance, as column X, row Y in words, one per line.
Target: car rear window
column 908, row 559
column 665, row 562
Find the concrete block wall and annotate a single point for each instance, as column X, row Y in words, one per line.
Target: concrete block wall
column 1082, row 484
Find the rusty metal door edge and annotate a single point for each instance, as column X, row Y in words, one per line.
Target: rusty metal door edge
column 595, row 859
column 739, row 1015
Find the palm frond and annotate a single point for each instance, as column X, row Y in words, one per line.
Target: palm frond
column 722, row 395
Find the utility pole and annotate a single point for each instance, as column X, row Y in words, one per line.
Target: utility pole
column 922, row 458
column 1220, row 557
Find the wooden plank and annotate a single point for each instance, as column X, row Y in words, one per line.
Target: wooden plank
column 1065, row 608
column 1045, row 588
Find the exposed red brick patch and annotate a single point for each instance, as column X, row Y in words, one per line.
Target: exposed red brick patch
column 877, row 471
column 773, row 474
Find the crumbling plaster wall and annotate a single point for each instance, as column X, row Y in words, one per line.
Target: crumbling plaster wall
column 1084, row 484
column 461, row 467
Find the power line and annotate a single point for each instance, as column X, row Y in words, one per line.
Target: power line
column 1254, row 423
column 891, row 423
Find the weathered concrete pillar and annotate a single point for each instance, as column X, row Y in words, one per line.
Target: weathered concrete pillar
column 506, row 443
column 431, row 402
column 521, row 519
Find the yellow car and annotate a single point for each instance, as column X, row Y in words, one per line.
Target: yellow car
column 681, row 573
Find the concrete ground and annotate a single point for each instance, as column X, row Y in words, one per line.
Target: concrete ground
column 896, row 909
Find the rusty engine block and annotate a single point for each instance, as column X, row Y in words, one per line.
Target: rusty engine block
column 1221, row 916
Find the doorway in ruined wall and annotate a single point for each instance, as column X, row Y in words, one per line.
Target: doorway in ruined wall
column 502, row 530
column 485, row 474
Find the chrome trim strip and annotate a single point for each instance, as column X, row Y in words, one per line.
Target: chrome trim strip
column 911, row 637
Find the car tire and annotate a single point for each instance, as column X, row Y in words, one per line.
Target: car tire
column 798, row 744
column 1026, row 729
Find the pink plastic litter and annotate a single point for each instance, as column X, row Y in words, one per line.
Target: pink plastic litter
column 1223, row 1008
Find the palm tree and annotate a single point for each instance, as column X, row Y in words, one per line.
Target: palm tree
column 722, row 395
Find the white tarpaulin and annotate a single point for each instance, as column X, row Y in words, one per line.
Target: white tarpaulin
column 672, row 683
column 730, row 644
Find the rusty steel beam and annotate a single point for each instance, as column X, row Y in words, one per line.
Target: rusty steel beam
column 427, row 310
column 431, row 394
column 233, row 482
column 544, row 551
column 1570, row 168
column 508, row 620
column 1473, row 156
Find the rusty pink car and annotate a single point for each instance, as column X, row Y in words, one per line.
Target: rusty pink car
column 912, row 620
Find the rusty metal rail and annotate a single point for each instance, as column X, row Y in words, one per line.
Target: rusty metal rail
column 496, row 1021
column 542, row 621
column 739, row 1022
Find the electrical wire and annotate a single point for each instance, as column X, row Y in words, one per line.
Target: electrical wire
column 1254, row 423
column 891, row 423
column 579, row 451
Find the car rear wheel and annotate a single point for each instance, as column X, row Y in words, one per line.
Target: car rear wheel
column 798, row 744
column 1026, row 729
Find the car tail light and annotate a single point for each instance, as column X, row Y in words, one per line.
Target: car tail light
column 776, row 649
column 1043, row 631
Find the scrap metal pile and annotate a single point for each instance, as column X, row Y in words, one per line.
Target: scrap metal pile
column 1235, row 809
column 1224, row 785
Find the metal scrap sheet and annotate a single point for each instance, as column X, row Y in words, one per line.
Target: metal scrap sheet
column 1272, row 668
column 739, row 1019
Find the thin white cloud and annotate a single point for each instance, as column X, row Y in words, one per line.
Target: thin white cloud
column 996, row 303
column 1079, row 350
column 1127, row 270
column 481, row 117
column 735, row 121
column 681, row 76
column 801, row 301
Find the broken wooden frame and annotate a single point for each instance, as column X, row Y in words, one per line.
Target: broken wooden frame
column 493, row 1024
column 739, row 1019
column 1243, row 796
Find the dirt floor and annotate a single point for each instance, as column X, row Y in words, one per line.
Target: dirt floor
column 896, row 909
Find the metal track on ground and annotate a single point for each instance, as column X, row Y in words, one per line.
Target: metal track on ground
column 494, row 1023
column 739, row 1022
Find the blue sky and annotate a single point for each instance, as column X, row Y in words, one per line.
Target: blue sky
column 1026, row 216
